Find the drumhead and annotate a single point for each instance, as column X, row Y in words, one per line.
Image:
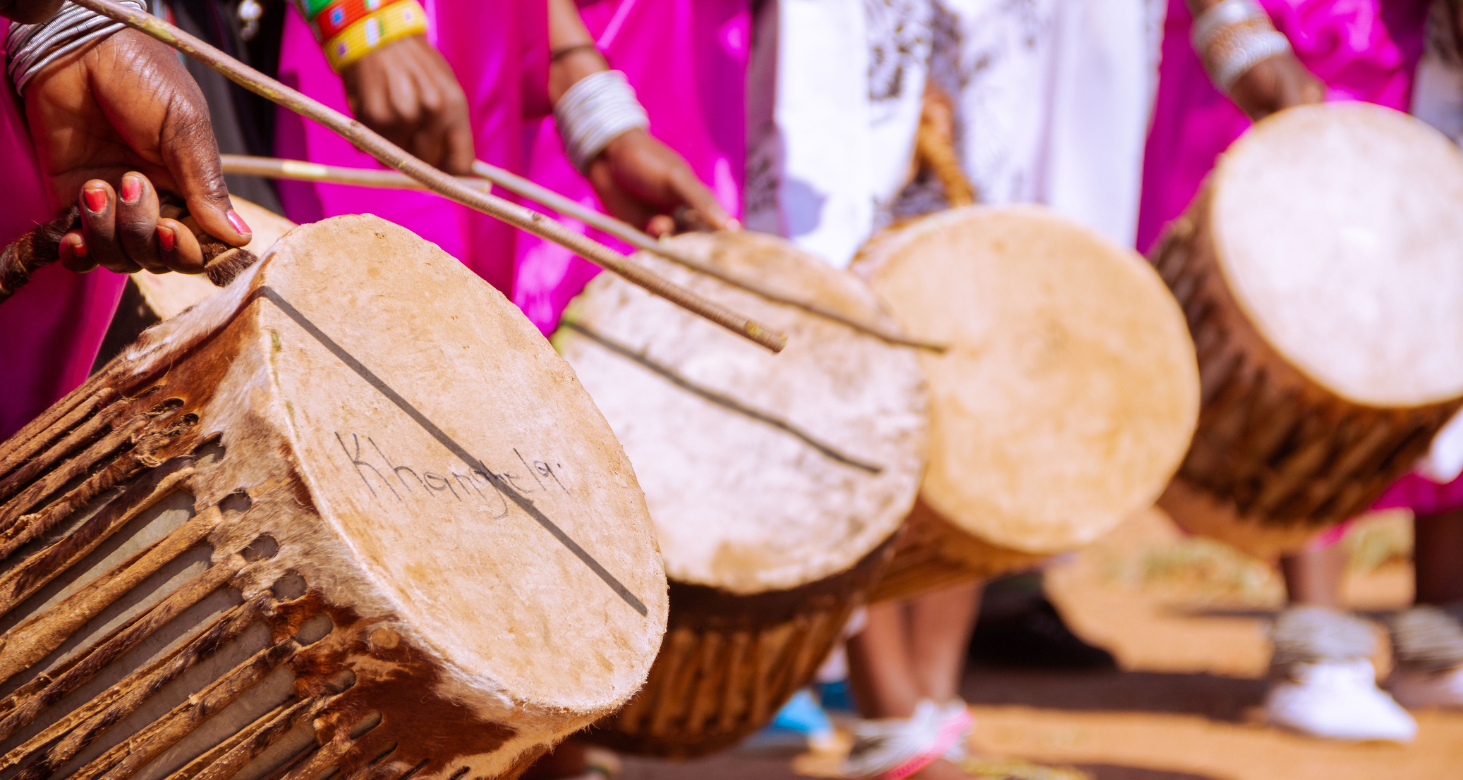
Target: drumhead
column 1337, row 227
column 1070, row 392
column 762, row 472
column 481, row 497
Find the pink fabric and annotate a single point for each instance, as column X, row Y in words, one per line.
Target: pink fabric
column 53, row 326
column 687, row 61
column 1362, row 49
column 499, row 52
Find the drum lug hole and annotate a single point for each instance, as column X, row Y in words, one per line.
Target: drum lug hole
column 262, row 548
column 289, row 586
column 237, row 503
column 371, row 721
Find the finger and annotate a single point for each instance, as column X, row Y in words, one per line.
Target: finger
column 137, row 215
column 99, row 227
column 660, row 225
column 179, row 248
column 73, row 253
column 191, row 156
column 696, row 195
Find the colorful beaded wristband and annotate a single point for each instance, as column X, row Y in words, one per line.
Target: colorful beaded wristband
column 312, row 8
column 399, row 20
column 341, row 14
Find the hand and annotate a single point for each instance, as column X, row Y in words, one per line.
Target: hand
column 125, row 114
column 644, row 182
column 29, row 11
column 1276, row 83
column 407, row 92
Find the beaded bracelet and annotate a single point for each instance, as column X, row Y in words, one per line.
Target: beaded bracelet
column 312, row 8
column 341, row 14
column 398, row 20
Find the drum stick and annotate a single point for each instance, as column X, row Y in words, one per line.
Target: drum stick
column 393, row 156
column 274, row 168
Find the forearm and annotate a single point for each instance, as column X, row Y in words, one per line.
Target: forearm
column 28, row 11
column 573, row 53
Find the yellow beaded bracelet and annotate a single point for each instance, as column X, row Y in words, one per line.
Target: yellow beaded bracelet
column 392, row 23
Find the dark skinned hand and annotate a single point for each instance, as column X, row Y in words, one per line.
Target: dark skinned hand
column 124, row 114
column 407, row 92
column 644, row 182
column 29, row 11
column 1276, row 83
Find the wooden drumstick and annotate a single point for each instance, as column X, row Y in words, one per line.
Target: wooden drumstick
column 42, row 246
column 296, row 170
column 437, row 181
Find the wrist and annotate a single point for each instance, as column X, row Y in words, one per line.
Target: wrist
column 32, row 48
column 350, row 29
column 1231, row 37
column 572, row 64
column 594, row 112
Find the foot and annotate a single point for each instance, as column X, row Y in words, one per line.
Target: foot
column 1418, row 688
column 1338, row 700
column 1031, row 634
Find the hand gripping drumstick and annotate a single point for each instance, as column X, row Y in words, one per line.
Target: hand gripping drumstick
column 393, row 156
column 42, row 246
column 275, row 168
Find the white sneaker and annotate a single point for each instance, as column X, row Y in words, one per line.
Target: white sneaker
column 1338, row 700
column 1417, row 688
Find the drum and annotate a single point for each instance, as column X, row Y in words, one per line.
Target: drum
column 1319, row 273
column 151, row 298
column 775, row 482
column 349, row 516
column 1064, row 403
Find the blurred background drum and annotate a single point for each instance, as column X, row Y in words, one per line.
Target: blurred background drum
column 1319, row 271
column 1064, row 404
column 350, row 515
column 775, row 481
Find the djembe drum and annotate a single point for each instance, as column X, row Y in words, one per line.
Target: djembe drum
column 1319, row 271
column 1064, row 403
column 775, row 482
column 350, row 515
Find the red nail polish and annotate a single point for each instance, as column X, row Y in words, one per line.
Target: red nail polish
column 131, row 189
column 78, row 246
column 239, row 223
column 167, row 239
column 96, row 200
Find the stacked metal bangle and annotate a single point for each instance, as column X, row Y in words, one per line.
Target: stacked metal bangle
column 595, row 111
column 32, row 47
column 1234, row 36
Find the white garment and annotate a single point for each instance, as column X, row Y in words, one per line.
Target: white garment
column 1052, row 97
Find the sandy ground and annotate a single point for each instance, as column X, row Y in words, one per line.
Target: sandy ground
column 1185, row 618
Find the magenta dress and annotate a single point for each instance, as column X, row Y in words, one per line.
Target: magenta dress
column 499, row 52
column 1362, row 49
column 687, row 61
column 53, row 326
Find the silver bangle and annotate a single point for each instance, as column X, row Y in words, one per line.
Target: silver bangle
column 594, row 112
column 1249, row 50
column 32, row 47
column 1227, row 14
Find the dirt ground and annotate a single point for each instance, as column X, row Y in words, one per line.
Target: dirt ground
column 1185, row 618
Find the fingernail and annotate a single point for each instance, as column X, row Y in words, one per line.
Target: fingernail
column 733, row 224
column 166, row 238
column 78, row 245
column 239, row 223
column 131, row 189
column 96, row 200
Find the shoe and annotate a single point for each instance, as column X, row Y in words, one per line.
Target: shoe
column 1417, row 688
column 1031, row 634
column 1338, row 700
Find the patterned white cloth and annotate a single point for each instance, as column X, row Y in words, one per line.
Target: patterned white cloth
column 1052, row 98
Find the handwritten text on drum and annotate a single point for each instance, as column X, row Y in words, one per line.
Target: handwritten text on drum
column 382, row 474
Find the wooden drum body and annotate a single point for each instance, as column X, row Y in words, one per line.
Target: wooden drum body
column 775, row 481
column 351, row 513
column 1319, row 271
column 1064, row 403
